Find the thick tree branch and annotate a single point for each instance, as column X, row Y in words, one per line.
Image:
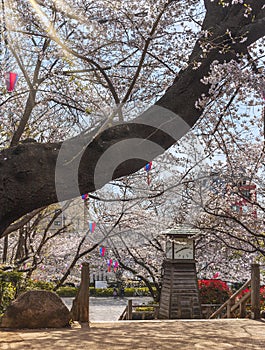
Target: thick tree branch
column 23, row 221
column 27, row 171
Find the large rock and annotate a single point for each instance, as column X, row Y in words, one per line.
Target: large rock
column 36, row 309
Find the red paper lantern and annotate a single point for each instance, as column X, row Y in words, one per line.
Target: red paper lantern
column 11, row 79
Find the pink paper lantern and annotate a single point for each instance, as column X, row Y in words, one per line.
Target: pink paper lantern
column 11, row 79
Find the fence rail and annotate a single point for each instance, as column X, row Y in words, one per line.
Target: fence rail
column 237, row 301
column 130, row 312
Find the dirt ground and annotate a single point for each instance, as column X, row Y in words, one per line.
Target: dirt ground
column 125, row 335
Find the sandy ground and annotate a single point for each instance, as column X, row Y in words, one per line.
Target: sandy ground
column 209, row 334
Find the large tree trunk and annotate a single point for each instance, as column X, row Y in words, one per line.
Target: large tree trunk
column 29, row 171
column 80, row 308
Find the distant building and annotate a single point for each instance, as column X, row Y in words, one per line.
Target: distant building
column 59, row 221
column 240, row 193
column 244, row 197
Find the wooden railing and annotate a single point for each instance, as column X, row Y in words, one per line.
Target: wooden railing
column 232, row 304
column 208, row 309
column 131, row 310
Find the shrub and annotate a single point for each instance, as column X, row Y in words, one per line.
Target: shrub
column 98, row 292
column 11, row 276
column 213, row 291
column 10, row 286
column 36, row 284
column 131, row 292
column 93, row 292
column 67, row 291
column 108, row 292
column 144, row 308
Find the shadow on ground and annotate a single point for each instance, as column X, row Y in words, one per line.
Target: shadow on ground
column 137, row 335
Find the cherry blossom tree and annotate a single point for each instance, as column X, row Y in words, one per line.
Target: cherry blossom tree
column 86, row 71
column 118, row 47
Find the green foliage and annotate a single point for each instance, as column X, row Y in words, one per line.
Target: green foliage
column 130, row 292
column 11, row 276
column 67, row 292
column 13, row 283
column 7, row 294
column 10, row 286
column 98, row 292
column 36, row 285
column 144, row 308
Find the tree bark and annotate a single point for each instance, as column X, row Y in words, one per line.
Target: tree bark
column 5, row 250
column 80, row 308
column 28, row 171
column 20, row 253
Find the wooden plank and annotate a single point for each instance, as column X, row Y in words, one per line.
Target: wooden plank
column 241, row 300
column 179, row 290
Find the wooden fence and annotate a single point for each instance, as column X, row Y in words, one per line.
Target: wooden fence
column 235, row 306
column 136, row 311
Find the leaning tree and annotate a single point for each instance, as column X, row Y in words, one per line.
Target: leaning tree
column 36, row 174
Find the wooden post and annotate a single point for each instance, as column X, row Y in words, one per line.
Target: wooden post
column 80, row 308
column 129, row 310
column 242, row 309
column 255, row 292
column 156, row 310
column 228, row 310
